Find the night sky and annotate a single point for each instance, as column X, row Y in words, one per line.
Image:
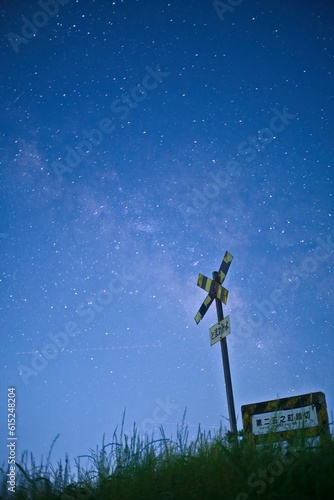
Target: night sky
column 139, row 141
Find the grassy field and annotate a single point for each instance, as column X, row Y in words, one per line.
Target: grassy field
column 212, row 466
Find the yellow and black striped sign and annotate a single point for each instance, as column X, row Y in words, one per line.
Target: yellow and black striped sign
column 283, row 418
column 224, row 267
column 204, row 307
column 213, row 288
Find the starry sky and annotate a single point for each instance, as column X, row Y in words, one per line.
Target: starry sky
column 139, row 141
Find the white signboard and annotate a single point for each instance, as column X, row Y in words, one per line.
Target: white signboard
column 220, row 330
column 285, row 420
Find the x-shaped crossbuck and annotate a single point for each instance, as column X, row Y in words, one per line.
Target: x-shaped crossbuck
column 213, row 286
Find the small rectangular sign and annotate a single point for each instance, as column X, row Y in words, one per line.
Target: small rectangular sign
column 284, row 417
column 220, row 330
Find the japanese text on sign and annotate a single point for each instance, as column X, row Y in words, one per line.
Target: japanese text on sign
column 285, row 420
column 220, row 330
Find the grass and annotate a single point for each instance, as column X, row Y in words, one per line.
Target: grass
column 212, row 466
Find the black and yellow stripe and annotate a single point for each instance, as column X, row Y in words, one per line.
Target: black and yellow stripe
column 224, row 267
column 204, row 307
column 213, row 288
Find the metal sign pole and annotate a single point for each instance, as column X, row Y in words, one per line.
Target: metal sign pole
column 227, row 373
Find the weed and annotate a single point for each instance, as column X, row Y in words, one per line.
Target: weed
column 212, row 465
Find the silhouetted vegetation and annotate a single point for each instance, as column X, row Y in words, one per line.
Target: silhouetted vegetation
column 212, row 466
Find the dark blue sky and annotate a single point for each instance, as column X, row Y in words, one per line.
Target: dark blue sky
column 140, row 141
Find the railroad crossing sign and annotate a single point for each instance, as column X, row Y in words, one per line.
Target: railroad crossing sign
column 213, row 287
column 220, row 330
